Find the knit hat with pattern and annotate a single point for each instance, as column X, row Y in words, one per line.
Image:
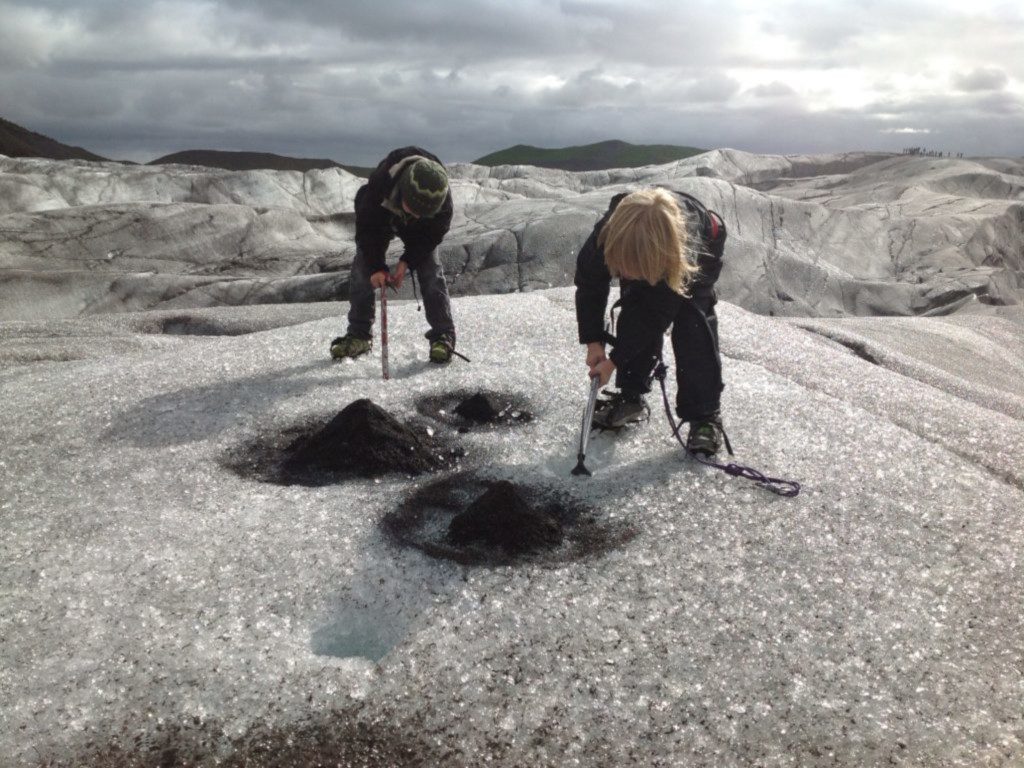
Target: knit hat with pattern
column 424, row 186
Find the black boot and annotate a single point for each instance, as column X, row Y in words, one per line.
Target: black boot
column 705, row 435
column 620, row 409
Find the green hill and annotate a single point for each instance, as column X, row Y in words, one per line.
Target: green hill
column 251, row 161
column 16, row 141
column 590, row 157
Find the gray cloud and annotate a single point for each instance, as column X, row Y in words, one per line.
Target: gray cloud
column 716, row 88
column 964, row 106
column 140, row 78
column 772, row 90
column 982, row 79
column 592, row 88
column 819, row 33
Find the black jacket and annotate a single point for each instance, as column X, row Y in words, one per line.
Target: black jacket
column 651, row 308
column 376, row 224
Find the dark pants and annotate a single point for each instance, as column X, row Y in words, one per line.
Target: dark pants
column 698, row 364
column 433, row 288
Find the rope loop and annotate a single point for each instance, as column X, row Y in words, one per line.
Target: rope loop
column 776, row 485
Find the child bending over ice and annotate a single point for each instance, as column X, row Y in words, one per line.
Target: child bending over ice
column 666, row 249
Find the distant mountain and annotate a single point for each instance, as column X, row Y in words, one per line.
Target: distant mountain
column 590, row 157
column 16, row 141
column 252, row 161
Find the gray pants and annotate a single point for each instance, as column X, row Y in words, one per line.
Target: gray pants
column 433, row 288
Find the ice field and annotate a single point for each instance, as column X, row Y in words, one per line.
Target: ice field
column 157, row 606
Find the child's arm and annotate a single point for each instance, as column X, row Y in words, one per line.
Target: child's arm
column 593, row 284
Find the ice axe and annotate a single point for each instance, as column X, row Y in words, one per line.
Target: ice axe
column 384, row 331
column 588, row 418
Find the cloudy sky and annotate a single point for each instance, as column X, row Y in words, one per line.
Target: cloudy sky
column 135, row 79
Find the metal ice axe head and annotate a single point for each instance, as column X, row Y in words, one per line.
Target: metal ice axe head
column 588, row 418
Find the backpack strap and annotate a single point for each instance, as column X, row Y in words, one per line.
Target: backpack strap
column 716, row 225
column 712, row 226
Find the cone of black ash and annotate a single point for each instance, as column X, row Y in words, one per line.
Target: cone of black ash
column 481, row 407
column 502, row 518
column 491, row 407
column 362, row 439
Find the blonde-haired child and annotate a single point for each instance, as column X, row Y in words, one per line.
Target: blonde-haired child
column 666, row 248
column 646, row 238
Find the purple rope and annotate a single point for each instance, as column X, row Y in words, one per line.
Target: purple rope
column 787, row 488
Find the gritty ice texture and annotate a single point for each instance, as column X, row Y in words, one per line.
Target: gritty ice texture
column 875, row 619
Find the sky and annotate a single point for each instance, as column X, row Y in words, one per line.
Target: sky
column 137, row 79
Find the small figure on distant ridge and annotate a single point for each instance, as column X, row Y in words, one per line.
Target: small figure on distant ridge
column 407, row 194
column 666, row 249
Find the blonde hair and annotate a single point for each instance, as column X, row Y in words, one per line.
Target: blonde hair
column 647, row 238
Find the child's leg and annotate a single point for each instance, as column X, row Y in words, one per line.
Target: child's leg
column 361, row 299
column 635, row 378
column 646, row 313
column 698, row 365
column 436, row 302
